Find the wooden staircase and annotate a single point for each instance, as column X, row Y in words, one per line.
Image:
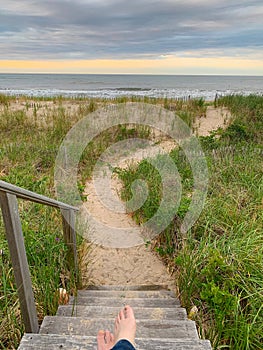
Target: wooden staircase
column 161, row 322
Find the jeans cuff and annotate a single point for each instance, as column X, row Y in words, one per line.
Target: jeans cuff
column 123, row 344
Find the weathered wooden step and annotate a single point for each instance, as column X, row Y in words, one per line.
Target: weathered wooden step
column 133, row 302
column 126, row 294
column 129, row 287
column 145, row 328
column 61, row 342
column 176, row 313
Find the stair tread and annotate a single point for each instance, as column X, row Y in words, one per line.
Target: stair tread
column 73, row 342
column 127, row 294
column 110, row 311
column 129, row 287
column 139, row 302
column 145, row 328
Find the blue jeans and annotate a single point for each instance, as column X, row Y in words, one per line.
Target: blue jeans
column 123, row 344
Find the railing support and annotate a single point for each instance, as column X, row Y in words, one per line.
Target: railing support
column 69, row 232
column 16, row 245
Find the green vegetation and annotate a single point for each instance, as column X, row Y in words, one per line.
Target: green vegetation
column 31, row 133
column 28, row 148
column 32, row 130
column 218, row 264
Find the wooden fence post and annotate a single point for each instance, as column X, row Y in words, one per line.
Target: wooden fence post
column 68, row 221
column 16, row 245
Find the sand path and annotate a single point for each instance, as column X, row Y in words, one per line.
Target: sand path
column 132, row 263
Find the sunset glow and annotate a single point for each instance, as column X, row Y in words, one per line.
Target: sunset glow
column 171, row 65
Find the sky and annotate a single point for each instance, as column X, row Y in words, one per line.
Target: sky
column 132, row 37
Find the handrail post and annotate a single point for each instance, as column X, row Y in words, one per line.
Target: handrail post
column 69, row 232
column 16, row 245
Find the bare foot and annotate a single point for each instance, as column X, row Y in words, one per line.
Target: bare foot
column 125, row 325
column 105, row 340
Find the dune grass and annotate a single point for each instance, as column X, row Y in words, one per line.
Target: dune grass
column 28, row 148
column 31, row 132
column 218, row 264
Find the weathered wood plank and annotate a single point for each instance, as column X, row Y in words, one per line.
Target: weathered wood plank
column 32, row 196
column 68, row 221
column 128, row 287
column 119, row 302
column 16, row 245
column 176, row 313
column 145, row 328
column 127, row 294
column 58, row 342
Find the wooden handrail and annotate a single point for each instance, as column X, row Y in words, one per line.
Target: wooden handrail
column 9, row 205
column 33, row 197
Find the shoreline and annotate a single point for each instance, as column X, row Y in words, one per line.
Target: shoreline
column 115, row 93
column 119, row 86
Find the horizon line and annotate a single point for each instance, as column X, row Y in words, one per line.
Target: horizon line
column 145, row 74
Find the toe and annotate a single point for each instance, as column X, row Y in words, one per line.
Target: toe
column 129, row 312
column 101, row 339
column 111, row 338
column 107, row 337
column 121, row 314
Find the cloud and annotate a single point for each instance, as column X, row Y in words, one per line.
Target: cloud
column 103, row 29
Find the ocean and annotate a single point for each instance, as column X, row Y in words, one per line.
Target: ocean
column 112, row 86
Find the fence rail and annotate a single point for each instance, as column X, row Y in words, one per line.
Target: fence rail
column 33, row 197
column 13, row 228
